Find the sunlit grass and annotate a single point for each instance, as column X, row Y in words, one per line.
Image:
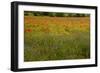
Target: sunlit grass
column 53, row 41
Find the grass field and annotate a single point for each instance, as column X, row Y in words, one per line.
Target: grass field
column 56, row 38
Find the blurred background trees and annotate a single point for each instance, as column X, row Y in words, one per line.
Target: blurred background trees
column 55, row 14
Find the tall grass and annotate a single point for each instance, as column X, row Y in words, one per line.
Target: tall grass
column 58, row 43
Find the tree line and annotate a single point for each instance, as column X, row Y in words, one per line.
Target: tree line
column 54, row 14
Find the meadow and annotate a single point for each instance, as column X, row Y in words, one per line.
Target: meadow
column 56, row 38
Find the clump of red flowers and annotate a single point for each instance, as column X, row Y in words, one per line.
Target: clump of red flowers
column 28, row 30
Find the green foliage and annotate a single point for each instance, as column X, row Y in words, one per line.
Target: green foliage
column 53, row 47
column 40, row 46
column 54, row 14
column 60, row 14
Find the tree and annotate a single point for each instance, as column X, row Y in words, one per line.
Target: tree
column 60, row 14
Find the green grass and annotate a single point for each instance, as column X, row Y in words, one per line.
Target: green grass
column 57, row 47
